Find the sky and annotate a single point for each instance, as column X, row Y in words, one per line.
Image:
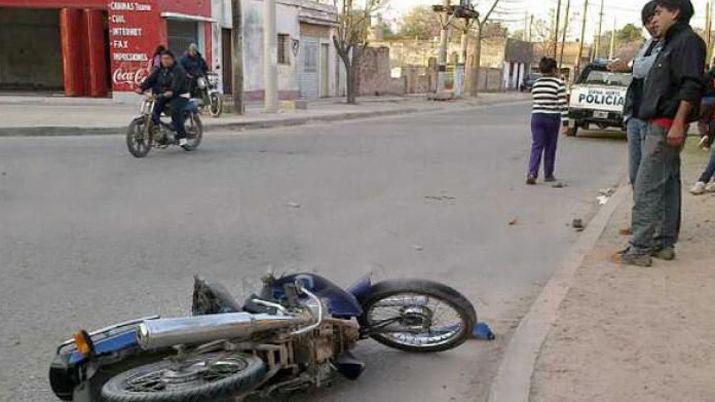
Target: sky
column 513, row 13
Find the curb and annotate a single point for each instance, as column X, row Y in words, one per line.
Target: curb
column 56, row 131
column 513, row 380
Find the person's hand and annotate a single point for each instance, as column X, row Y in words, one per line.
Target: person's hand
column 138, row 91
column 676, row 135
column 168, row 94
column 618, row 66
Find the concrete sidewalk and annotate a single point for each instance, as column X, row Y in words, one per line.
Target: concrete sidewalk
column 638, row 334
column 30, row 116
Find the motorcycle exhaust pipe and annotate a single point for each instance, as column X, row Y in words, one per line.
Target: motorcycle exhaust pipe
column 167, row 332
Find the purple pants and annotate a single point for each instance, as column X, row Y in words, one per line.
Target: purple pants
column 545, row 136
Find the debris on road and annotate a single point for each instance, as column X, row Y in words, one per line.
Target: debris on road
column 418, row 248
column 559, row 185
column 293, row 205
column 513, row 222
column 442, row 197
column 577, row 224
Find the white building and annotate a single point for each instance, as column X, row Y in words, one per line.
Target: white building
column 308, row 65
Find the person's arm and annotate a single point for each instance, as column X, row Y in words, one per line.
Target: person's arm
column 178, row 82
column 563, row 103
column 688, row 73
column 149, row 81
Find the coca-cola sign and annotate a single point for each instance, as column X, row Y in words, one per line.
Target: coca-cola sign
column 134, row 34
column 128, row 77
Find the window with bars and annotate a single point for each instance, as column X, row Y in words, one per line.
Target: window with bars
column 283, row 48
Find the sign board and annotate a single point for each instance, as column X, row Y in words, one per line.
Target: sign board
column 598, row 98
column 134, row 33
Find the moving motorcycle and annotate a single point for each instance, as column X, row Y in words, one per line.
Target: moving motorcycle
column 143, row 134
column 209, row 95
column 296, row 334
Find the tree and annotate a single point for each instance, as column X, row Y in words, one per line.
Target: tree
column 420, row 23
column 481, row 25
column 628, row 37
column 351, row 37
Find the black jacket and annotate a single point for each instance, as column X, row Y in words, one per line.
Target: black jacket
column 172, row 79
column 677, row 75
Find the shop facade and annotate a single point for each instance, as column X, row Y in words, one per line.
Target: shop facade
column 94, row 48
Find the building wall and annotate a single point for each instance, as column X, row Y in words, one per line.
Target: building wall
column 30, row 48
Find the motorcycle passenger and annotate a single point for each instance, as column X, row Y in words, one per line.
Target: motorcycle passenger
column 155, row 61
column 195, row 67
column 170, row 85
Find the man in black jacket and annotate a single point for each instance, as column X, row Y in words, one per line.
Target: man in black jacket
column 171, row 86
column 671, row 98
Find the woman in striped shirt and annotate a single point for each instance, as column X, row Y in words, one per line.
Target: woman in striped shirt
column 548, row 114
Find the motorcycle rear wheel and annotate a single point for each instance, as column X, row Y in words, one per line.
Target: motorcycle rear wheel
column 216, row 105
column 194, row 131
column 201, row 378
column 413, row 315
column 139, row 139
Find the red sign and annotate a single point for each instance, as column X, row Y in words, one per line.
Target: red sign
column 133, row 36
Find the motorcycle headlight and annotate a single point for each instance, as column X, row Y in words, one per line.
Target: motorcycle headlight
column 213, row 79
column 201, row 82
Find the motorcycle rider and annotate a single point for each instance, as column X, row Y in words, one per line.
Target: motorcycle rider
column 195, row 67
column 170, row 85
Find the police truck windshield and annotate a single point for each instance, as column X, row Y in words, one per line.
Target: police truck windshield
column 608, row 78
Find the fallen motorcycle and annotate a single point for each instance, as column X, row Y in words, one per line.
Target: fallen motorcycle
column 296, row 334
column 143, row 134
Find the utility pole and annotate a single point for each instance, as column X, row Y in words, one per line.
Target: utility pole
column 270, row 57
column 594, row 54
column 526, row 25
column 237, row 57
column 556, row 28
column 531, row 25
column 613, row 40
column 580, row 44
column 563, row 39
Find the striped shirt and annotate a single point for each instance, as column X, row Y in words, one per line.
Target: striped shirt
column 549, row 94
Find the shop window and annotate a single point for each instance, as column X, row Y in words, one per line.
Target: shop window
column 283, row 48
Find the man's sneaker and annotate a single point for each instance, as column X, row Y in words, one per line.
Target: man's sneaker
column 550, row 179
column 184, row 143
column 665, row 253
column 710, row 188
column 531, row 180
column 698, row 188
column 638, row 259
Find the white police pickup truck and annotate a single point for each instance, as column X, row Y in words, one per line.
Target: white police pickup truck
column 598, row 97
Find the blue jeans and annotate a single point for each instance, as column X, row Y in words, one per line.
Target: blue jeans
column 657, row 207
column 710, row 168
column 636, row 131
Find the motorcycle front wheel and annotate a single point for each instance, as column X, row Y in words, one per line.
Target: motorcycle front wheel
column 194, row 131
column 201, row 378
column 139, row 140
column 216, row 105
column 417, row 315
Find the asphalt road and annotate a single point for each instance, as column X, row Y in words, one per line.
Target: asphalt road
column 90, row 235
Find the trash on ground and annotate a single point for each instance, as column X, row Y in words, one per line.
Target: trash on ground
column 513, row 222
column 293, row 205
column 577, row 224
column 607, row 191
column 602, row 199
column 442, row 197
column 559, row 185
column 418, row 248
column 483, row 332
column 625, row 232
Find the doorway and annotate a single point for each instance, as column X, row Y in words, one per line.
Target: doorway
column 227, row 57
column 324, row 70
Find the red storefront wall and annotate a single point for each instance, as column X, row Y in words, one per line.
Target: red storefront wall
column 135, row 29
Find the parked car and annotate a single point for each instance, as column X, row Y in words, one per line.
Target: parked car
column 598, row 97
column 529, row 80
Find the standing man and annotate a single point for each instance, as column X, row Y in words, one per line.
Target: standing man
column 635, row 126
column 671, row 99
